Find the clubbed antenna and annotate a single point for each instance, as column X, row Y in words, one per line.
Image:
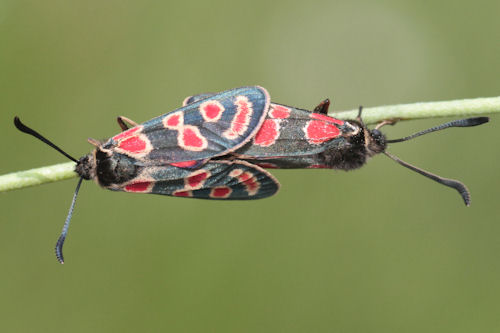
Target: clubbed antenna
column 64, row 232
column 469, row 122
column 23, row 128
column 457, row 185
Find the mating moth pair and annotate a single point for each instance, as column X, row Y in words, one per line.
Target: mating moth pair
column 217, row 146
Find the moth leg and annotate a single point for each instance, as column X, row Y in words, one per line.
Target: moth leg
column 94, row 142
column 322, row 107
column 386, row 122
column 121, row 122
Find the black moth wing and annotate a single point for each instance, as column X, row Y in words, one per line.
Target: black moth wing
column 291, row 132
column 223, row 180
column 201, row 130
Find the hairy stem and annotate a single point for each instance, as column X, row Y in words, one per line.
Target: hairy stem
column 457, row 108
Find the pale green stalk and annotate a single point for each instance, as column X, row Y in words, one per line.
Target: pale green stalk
column 48, row 174
column 457, row 108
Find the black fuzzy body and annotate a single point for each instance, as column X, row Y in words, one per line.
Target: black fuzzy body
column 107, row 168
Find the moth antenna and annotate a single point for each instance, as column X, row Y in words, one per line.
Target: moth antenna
column 23, row 128
column 358, row 118
column 457, row 185
column 64, row 232
column 468, row 122
column 60, row 242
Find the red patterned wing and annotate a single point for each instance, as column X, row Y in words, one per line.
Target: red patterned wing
column 288, row 131
column 225, row 180
column 201, row 130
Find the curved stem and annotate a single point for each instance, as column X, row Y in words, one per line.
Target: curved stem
column 456, row 108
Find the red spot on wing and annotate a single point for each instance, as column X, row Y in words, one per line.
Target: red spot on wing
column 139, row 187
column 240, row 122
column 211, row 110
column 173, row 120
column 134, row 144
column 245, row 176
column 221, row 192
column 251, row 184
column 190, row 138
column 196, row 179
column 268, row 133
column 185, row 164
column 279, row 111
column 242, row 117
column 183, row 193
column 326, row 118
column 235, row 173
column 248, row 179
column 126, row 133
column 318, row 131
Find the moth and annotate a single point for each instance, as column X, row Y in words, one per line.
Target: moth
column 216, row 147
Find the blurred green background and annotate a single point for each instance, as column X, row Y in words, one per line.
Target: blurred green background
column 380, row 249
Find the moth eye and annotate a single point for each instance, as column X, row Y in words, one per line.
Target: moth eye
column 377, row 136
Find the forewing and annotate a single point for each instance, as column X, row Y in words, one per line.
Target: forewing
column 203, row 129
column 224, row 180
column 288, row 131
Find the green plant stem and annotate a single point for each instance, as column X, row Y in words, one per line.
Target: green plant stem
column 457, row 108
column 48, row 174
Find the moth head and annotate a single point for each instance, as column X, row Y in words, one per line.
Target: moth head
column 376, row 142
column 85, row 166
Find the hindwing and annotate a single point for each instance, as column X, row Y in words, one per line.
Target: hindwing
column 229, row 180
